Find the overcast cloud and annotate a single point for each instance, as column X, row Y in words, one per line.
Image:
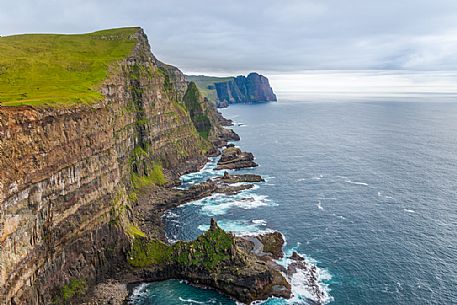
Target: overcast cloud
column 270, row 36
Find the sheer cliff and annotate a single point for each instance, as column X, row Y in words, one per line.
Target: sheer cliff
column 241, row 89
column 69, row 174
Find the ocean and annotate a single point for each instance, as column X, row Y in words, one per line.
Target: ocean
column 365, row 190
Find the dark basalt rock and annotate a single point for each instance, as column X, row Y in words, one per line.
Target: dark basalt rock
column 267, row 246
column 234, row 158
column 251, row 89
column 297, row 257
column 311, row 274
column 227, row 178
column 272, row 243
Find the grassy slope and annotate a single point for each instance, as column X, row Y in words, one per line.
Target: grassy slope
column 59, row 70
column 203, row 82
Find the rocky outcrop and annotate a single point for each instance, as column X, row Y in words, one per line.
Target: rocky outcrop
column 251, row 89
column 198, row 110
column 310, row 278
column 175, row 81
column 227, row 178
column 233, row 158
column 213, row 259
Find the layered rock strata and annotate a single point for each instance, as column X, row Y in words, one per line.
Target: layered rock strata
column 68, row 178
column 82, row 186
column 251, row 89
column 233, row 158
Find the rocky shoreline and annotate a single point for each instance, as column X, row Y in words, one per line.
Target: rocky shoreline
column 246, row 269
column 236, row 270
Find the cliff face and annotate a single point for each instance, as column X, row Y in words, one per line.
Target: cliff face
column 241, row 89
column 255, row 88
column 68, row 177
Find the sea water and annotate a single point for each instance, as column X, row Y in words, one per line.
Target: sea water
column 366, row 191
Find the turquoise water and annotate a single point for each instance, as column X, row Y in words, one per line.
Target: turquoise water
column 367, row 191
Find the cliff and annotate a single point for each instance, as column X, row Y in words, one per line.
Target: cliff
column 70, row 173
column 241, row 89
column 89, row 151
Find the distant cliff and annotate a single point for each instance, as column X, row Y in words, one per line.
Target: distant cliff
column 241, row 89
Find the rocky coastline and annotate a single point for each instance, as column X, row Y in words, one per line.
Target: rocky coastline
column 249, row 272
column 246, row 273
column 83, row 190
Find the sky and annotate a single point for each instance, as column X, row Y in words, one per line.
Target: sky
column 287, row 37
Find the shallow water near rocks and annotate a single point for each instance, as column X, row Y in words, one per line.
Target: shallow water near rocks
column 367, row 191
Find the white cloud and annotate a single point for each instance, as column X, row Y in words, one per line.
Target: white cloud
column 264, row 35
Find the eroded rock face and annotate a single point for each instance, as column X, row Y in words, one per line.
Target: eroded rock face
column 64, row 171
column 251, row 89
column 233, row 158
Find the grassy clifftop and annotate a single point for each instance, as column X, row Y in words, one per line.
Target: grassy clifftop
column 206, row 84
column 59, row 70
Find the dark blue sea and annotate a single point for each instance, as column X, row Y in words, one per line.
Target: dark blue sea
column 366, row 191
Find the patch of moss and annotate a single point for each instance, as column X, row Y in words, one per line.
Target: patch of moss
column 204, row 134
column 167, row 83
column 192, row 101
column 134, row 231
column 146, row 253
column 155, row 176
column 209, row 250
column 133, row 197
column 76, row 287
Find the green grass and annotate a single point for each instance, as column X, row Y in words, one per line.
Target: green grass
column 203, row 82
column 59, row 70
column 204, row 134
column 146, row 253
column 134, row 231
column 192, row 100
column 73, row 288
column 209, row 250
column 155, row 176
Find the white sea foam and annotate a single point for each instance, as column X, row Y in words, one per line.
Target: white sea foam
column 268, row 178
column 191, row 301
column 409, row 211
column 301, row 282
column 259, row 222
column 339, row 216
column 356, row 182
column 319, row 205
column 219, row 204
column 241, row 227
column 170, row 214
column 202, row 175
column 138, row 293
